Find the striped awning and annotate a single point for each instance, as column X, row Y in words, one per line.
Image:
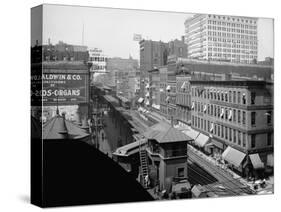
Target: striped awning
column 183, row 86
column 233, row 156
column 193, row 104
column 201, row 140
column 140, row 100
column 256, row 161
column 270, row 160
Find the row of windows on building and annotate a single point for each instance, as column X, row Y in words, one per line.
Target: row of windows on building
column 199, row 25
column 183, row 114
column 98, row 67
column 228, row 114
column 171, row 112
column 192, row 44
column 233, row 60
column 232, row 43
column 183, row 99
column 236, row 44
column 236, row 97
column 231, row 35
column 227, row 133
column 243, row 51
column 98, row 59
column 252, row 24
column 227, row 39
column 228, row 29
column 183, row 87
column 231, row 56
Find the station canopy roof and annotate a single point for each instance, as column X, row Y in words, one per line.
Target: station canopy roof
column 130, row 148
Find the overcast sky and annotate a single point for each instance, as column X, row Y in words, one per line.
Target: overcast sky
column 112, row 30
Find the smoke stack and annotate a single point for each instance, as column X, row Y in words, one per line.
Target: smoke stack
column 182, row 38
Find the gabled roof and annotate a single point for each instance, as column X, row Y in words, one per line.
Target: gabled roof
column 58, row 128
column 165, row 133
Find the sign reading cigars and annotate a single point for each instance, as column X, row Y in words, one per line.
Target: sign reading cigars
column 61, row 88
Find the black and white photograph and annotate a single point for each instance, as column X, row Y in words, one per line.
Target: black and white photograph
column 140, row 105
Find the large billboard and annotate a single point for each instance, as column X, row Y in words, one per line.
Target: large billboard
column 61, row 88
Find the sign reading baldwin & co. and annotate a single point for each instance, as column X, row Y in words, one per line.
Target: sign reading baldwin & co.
column 60, row 88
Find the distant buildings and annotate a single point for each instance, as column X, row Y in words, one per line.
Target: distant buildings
column 163, row 90
column 122, row 73
column 153, row 90
column 237, row 115
column 152, row 55
column 222, row 38
column 98, row 59
column 154, row 67
column 63, row 51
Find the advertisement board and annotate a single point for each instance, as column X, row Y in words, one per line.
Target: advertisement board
column 60, row 88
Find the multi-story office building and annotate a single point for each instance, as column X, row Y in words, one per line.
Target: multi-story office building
column 237, row 115
column 177, row 48
column 163, row 85
column 153, row 54
column 220, row 37
column 177, row 51
column 183, row 98
column 180, row 68
column 153, row 93
column 98, row 59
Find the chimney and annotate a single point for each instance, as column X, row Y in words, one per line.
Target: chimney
column 182, row 38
